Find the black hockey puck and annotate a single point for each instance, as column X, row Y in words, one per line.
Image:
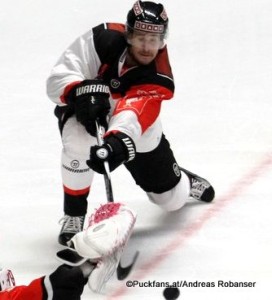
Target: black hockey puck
column 171, row 293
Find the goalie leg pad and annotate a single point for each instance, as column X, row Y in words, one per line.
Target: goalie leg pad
column 104, row 270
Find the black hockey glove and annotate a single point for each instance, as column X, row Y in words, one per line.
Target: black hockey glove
column 67, row 283
column 90, row 100
column 118, row 148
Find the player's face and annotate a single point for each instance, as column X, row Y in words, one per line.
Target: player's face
column 144, row 46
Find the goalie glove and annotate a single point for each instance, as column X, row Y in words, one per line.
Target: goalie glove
column 7, row 280
column 104, row 240
column 118, row 148
column 109, row 229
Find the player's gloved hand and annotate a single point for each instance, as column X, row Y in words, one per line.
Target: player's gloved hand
column 90, row 100
column 117, row 149
column 7, row 280
column 67, row 282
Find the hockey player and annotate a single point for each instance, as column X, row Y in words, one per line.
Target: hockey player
column 100, row 247
column 64, row 283
column 119, row 74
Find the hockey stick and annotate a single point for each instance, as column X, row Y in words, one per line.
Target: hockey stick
column 122, row 272
column 107, row 177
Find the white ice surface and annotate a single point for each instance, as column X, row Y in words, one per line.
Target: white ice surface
column 219, row 126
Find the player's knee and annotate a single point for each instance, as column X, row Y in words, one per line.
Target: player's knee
column 76, row 140
column 156, row 171
column 173, row 199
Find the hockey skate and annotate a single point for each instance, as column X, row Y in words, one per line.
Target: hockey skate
column 70, row 226
column 201, row 189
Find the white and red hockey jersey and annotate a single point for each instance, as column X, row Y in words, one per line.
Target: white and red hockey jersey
column 34, row 291
column 65, row 283
column 136, row 92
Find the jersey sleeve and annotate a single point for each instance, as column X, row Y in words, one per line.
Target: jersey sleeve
column 145, row 102
column 33, row 291
column 83, row 59
column 140, row 107
column 78, row 62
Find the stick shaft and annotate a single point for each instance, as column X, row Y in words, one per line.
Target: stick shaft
column 107, row 177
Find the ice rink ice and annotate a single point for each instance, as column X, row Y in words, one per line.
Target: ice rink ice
column 219, row 125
